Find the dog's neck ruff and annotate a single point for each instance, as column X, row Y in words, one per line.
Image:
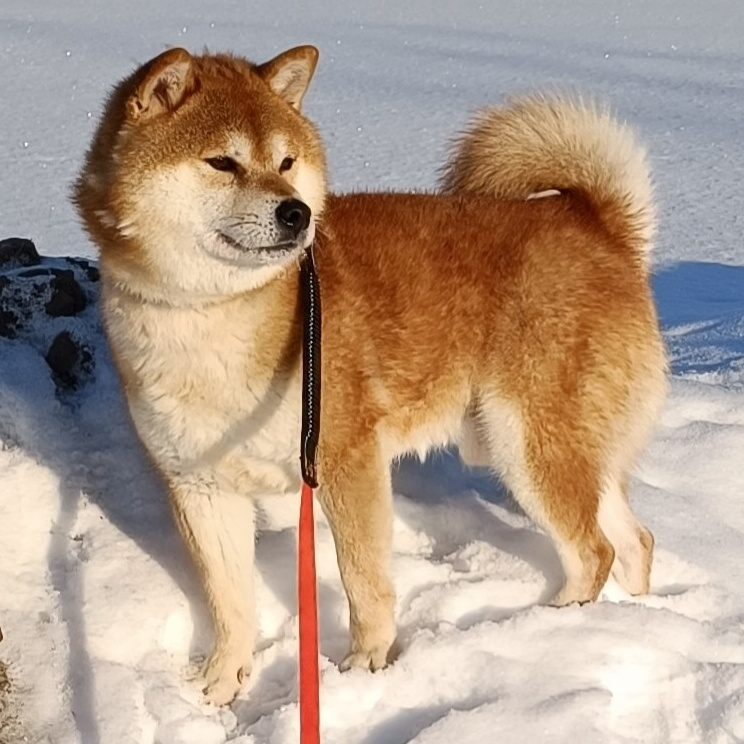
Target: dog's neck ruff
column 149, row 293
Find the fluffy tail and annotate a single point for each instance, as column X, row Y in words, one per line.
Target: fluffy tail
column 552, row 142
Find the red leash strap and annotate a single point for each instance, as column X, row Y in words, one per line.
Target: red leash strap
column 306, row 580
column 308, row 610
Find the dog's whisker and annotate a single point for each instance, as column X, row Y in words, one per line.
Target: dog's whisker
column 248, row 220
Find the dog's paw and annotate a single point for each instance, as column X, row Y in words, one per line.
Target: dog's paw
column 223, row 675
column 371, row 659
column 568, row 596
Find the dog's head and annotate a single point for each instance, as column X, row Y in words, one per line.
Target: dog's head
column 204, row 178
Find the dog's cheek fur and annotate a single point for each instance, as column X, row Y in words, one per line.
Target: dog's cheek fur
column 311, row 186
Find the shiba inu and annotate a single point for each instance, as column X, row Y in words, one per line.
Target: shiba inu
column 520, row 328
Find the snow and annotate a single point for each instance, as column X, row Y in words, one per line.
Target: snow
column 102, row 614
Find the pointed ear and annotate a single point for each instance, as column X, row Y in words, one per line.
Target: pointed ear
column 289, row 74
column 164, row 84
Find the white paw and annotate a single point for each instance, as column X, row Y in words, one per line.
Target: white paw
column 223, row 674
column 371, row 659
column 571, row 595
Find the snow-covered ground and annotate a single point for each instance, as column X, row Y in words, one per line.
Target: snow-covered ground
column 100, row 609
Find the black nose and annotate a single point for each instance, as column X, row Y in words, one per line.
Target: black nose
column 293, row 214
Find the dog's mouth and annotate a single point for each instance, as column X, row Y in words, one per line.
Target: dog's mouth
column 285, row 246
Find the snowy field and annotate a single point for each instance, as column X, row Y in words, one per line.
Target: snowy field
column 101, row 611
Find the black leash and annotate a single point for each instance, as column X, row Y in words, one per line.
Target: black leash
column 310, row 293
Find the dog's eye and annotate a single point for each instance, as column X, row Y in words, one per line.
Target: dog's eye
column 222, row 163
column 286, row 164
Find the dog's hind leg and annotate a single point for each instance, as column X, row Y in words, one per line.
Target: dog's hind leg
column 218, row 528
column 356, row 496
column 633, row 543
column 554, row 477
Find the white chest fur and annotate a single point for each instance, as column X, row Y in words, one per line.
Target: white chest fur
column 200, row 398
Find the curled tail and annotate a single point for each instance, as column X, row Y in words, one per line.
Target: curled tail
column 547, row 142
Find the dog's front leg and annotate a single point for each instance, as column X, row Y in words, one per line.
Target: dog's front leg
column 218, row 527
column 356, row 497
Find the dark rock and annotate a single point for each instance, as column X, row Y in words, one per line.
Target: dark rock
column 8, row 319
column 67, row 296
column 16, row 253
column 8, row 323
column 69, row 359
column 62, row 357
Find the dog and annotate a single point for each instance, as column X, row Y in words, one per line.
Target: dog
column 509, row 314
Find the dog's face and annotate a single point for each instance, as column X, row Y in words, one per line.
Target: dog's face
column 205, row 179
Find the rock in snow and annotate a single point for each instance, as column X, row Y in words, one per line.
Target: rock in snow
column 17, row 252
column 59, row 288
